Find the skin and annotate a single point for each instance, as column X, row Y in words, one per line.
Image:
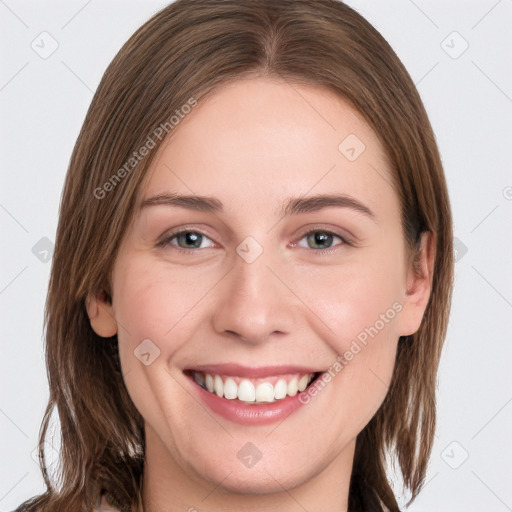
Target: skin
column 252, row 144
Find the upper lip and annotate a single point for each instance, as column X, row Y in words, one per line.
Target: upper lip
column 255, row 372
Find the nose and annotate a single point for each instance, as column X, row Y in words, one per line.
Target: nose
column 253, row 302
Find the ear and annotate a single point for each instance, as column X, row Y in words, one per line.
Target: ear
column 101, row 315
column 418, row 285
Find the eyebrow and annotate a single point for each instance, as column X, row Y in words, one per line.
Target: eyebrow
column 291, row 206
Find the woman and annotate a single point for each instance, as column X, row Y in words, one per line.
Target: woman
column 252, row 272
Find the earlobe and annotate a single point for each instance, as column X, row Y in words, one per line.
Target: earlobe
column 418, row 285
column 101, row 315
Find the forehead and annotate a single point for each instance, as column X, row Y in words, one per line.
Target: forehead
column 254, row 141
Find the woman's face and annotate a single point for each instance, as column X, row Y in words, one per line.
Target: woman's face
column 246, row 298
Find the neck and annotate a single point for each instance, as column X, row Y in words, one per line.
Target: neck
column 169, row 487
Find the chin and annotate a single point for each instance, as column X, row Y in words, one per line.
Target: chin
column 257, row 482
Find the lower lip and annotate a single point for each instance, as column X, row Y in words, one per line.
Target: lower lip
column 247, row 414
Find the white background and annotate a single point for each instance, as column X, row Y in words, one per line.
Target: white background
column 469, row 100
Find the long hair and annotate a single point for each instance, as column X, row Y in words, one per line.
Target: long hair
column 185, row 51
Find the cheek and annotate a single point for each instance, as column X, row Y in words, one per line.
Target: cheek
column 360, row 304
column 156, row 306
column 148, row 305
column 153, row 298
column 354, row 297
column 152, row 305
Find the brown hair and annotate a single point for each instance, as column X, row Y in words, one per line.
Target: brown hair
column 185, row 51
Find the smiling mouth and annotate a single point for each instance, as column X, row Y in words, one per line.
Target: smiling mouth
column 253, row 391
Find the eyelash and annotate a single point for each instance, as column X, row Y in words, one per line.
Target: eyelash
column 345, row 241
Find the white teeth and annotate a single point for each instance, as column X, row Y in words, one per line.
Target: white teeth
column 209, row 382
column 230, row 389
column 218, row 386
column 303, row 382
column 250, row 392
column 265, row 392
column 293, row 387
column 280, row 389
column 246, row 391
